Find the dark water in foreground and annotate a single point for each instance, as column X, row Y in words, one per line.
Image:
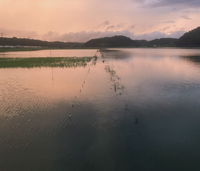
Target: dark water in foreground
column 131, row 109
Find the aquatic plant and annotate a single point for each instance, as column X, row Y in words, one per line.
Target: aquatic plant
column 115, row 79
column 126, row 107
column 65, row 62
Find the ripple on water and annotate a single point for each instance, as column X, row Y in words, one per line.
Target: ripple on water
column 102, row 129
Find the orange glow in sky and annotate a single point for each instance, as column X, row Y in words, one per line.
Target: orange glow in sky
column 81, row 20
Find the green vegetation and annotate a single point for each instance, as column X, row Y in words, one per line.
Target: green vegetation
column 115, row 79
column 44, row 62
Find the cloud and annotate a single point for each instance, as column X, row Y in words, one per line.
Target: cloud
column 132, row 26
column 151, row 36
column 115, row 27
column 19, row 33
column 177, row 34
column 158, row 35
column 104, row 24
column 84, row 36
column 185, row 17
column 119, row 26
column 162, row 3
column 165, row 28
column 112, row 27
column 167, row 22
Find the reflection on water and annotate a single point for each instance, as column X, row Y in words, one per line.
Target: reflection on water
column 134, row 112
column 115, row 54
column 49, row 53
column 195, row 59
column 115, row 79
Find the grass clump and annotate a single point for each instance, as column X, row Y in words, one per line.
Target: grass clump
column 66, row 62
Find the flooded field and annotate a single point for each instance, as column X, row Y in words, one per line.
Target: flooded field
column 114, row 109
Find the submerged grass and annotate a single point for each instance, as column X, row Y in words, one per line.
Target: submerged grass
column 44, row 62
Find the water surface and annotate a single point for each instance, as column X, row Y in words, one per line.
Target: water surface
column 49, row 53
column 123, row 109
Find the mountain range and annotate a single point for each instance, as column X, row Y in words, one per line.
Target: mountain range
column 189, row 39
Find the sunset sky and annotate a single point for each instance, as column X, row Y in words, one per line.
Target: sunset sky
column 81, row 20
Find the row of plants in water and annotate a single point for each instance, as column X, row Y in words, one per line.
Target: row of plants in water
column 45, row 62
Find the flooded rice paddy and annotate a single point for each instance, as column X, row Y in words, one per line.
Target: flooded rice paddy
column 114, row 109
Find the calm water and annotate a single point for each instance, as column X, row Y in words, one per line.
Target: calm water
column 127, row 109
column 49, row 53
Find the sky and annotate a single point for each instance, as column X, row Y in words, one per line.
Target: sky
column 82, row 20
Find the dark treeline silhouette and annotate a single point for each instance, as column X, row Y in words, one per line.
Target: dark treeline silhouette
column 189, row 39
column 171, row 42
column 122, row 41
column 162, row 42
column 33, row 42
column 116, row 41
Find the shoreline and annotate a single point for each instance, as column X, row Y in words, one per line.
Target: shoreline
column 2, row 50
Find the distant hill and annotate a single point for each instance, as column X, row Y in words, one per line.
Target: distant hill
column 122, row 41
column 190, row 39
column 163, row 42
column 116, row 41
column 142, row 43
column 33, row 42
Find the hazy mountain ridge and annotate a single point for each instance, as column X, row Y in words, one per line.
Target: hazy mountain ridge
column 189, row 39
